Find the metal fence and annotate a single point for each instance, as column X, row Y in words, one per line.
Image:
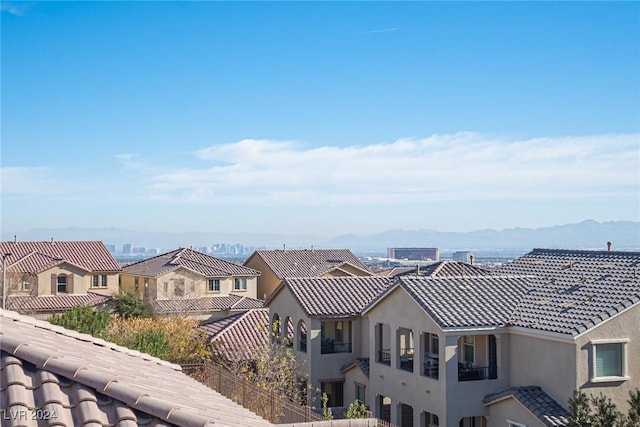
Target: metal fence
column 268, row 404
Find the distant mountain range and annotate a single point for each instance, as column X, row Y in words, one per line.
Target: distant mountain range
column 624, row 235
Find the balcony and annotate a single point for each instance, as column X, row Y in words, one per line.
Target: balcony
column 406, row 359
column 430, row 367
column 467, row 372
column 330, row 347
column 384, row 356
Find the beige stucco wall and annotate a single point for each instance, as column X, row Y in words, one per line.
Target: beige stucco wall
column 82, row 280
column 623, row 326
column 267, row 282
column 398, row 310
column 544, row 361
column 351, row 377
column 511, row 409
column 195, row 285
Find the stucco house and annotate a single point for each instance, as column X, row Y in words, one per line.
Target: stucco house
column 188, row 282
column 506, row 349
column 44, row 278
column 276, row 265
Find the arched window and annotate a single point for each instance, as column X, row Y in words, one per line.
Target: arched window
column 302, row 336
column 276, row 330
column 288, row 339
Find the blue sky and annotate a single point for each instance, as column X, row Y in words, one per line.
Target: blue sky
column 321, row 118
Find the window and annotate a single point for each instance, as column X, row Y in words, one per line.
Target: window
column 468, row 349
column 62, row 283
column 26, row 284
column 302, row 336
column 360, row 388
column 214, row 285
column 103, row 281
column 515, row 424
column 95, row 279
column 430, row 419
column 240, row 284
column 334, row 393
column 609, row 360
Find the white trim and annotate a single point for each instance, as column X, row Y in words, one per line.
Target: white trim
column 625, row 372
column 606, row 320
column 551, row 336
column 466, row 330
column 515, row 423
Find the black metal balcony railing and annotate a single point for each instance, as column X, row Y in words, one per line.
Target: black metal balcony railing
column 384, row 356
column 430, row 367
column 475, row 373
column 406, row 359
column 335, row 347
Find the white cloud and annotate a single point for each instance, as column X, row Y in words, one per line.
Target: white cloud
column 16, row 9
column 461, row 166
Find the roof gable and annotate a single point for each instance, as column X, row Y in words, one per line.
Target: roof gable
column 574, row 291
column 35, row 257
column 333, row 296
column 307, row 262
column 536, row 401
column 197, row 262
column 240, row 336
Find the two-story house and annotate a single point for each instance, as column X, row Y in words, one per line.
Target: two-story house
column 192, row 283
column 45, row 278
column 276, row 265
column 478, row 350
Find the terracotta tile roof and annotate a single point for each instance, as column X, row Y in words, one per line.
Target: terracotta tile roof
column 573, row 291
column 308, row 262
column 539, row 403
column 333, row 296
column 83, row 380
column 437, row 269
column 240, row 336
column 35, row 257
column 360, row 362
column 204, row 304
column 29, row 303
column 202, row 264
column 463, row 301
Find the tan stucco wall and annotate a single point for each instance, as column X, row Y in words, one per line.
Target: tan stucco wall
column 548, row 363
column 195, row 286
column 82, row 280
column 267, row 281
column 351, row 377
column 411, row 388
column 625, row 325
column 511, row 409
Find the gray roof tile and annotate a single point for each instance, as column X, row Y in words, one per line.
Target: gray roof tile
column 437, row 269
column 334, row 296
column 308, row 262
column 87, row 381
column 240, row 336
column 573, row 291
column 466, row 301
column 550, row 412
column 203, row 264
column 360, row 362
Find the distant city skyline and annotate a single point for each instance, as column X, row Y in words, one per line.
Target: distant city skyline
column 319, row 118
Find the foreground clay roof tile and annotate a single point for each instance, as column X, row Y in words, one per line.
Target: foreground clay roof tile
column 75, row 379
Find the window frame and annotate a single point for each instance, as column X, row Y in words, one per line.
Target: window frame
column 103, row 281
column 26, row 283
column 239, row 283
column 66, row 283
column 624, row 344
column 95, row 280
column 211, row 285
column 511, row 423
column 360, row 387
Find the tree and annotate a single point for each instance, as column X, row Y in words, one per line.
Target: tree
column 633, row 416
column 357, row 409
column 129, row 304
column 84, row 319
column 579, row 409
column 605, row 412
